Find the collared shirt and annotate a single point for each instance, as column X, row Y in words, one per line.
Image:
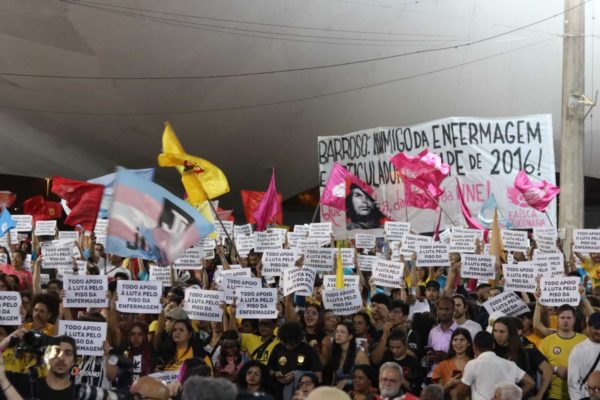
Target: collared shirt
column 439, row 339
column 484, row 372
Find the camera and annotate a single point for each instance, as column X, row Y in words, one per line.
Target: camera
column 32, row 342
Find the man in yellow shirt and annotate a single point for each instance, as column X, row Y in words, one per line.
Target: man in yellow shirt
column 260, row 347
column 557, row 347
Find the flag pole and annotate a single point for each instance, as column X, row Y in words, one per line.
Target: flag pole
column 316, row 211
column 549, row 220
column 223, row 226
column 438, row 204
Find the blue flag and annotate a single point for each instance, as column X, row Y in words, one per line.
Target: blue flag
column 486, row 214
column 6, row 222
column 149, row 222
column 108, row 182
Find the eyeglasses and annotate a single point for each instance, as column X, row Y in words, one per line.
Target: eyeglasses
column 304, row 383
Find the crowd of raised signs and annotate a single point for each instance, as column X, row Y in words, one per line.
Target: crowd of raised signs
column 269, row 313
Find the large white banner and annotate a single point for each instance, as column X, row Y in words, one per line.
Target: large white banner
column 484, row 154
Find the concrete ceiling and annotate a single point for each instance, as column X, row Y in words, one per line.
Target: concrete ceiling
column 75, row 101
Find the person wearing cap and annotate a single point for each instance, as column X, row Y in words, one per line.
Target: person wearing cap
column 584, row 359
column 432, row 291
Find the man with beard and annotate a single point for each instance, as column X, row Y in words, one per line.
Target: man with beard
column 390, row 382
column 440, row 335
column 461, row 309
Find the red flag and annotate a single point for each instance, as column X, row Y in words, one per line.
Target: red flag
column 422, row 176
column 82, row 198
column 7, row 199
column 225, row 215
column 251, row 200
column 42, row 210
column 269, row 206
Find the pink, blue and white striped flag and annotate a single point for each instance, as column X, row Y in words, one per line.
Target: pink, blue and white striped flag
column 149, row 222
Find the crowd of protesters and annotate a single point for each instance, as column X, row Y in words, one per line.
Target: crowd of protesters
column 455, row 350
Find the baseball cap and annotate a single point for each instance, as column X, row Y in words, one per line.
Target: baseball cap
column 433, row 284
column 177, row 314
column 594, row 320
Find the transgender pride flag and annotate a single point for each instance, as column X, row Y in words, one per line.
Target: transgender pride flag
column 149, row 222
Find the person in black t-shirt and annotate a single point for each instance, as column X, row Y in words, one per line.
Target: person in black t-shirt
column 290, row 355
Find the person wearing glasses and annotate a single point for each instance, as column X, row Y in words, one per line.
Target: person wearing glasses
column 593, row 386
column 390, row 382
column 307, row 382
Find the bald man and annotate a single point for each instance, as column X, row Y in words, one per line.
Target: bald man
column 150, row 388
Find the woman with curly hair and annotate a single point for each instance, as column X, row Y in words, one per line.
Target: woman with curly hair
column 253, row 377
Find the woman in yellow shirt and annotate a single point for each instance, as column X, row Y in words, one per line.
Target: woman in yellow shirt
column 181, row 345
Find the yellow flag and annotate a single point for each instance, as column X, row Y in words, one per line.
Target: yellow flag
column 201, row 179
column 496, row 245
column 339, row 271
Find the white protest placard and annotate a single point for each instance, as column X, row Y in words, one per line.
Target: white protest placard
column 68, row 235
column 320, row 259
column 364, row 241
column 282, row 232
column 293, row 239
column 366, row 262
column 24, row 222
column 256, row 303
column 244, row 244
column 161, row 274
column 231, row 283
column 57, row 254
column 208, row 247
column 445, row 236
column 85, row 291
column 478, row 266
column 267, row 241
column 348, row 257
column 13, row 239
column 420, row 306
column 165, row 376
column 45, row 228
column 10, row 308
column 320, row 230
column 221, row 274
column 410, row 243
column 346, row 301
column 520, row 277
column 508, row 303
column 307, row 243
column 433, row 255
column 558, row 291
column 586, row 240
column 190, row 259
column 302, row 230
column 349, row 280
column 546, row 244
column 395, row 230
column 274, row 260
column 550, row 265
column 545, row 231
column 88, row 335
column 224, row 232
column 464, row 240
column 3, row 258
column 298, row 280
column 388, row 273
column 242, row 230
column 101, row 226
column 204, row 305
column 514, row 240
column 139, row 297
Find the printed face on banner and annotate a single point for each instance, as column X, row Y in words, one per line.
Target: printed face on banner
column 482, row 153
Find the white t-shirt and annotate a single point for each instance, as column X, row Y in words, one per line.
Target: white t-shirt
column 484, row 372
column 581, row 359
column 472, row 326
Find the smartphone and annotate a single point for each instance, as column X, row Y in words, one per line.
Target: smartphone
column 456, row 373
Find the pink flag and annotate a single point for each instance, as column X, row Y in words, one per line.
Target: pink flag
column 537, row 195
column 471, row 222
column 422, row 176
column 334, row 194
column 269, row 206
